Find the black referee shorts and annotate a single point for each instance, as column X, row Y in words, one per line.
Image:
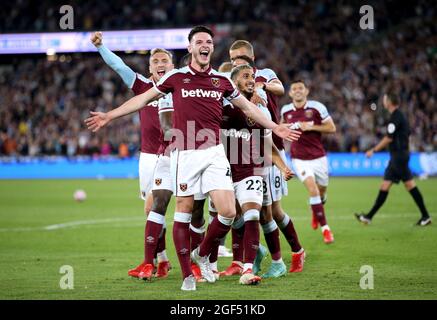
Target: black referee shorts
column 398, row 169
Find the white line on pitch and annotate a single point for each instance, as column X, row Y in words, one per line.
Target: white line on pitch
column 78, row 223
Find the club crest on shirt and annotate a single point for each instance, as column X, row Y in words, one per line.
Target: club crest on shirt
column 158, row 181
column 309, row 114
column 183, row 186
column 250, row 122
column 215, row 82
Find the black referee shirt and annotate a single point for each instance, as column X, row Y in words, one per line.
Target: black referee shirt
column 398, row 130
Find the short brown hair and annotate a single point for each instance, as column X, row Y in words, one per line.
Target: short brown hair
column 235, row 71
column 242, row 44
column 161, row 50
column 225, row 67
column 393, row 97
column 298, row 81
column 198, row 29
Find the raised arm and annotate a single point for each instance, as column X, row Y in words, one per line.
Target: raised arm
column 253, row 112
column 100, row 119
column 113, row 61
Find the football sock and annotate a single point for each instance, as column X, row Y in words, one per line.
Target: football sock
column 277, row 260
column 181, row 239
column 318, row 210
column 197, row 233
column 152, row 231
column 251, row 235
column 325, row 227
column 271, row 234
column 237, row 240
column 217, row 229
column 380, row 199
column 160, row 248
column 222, row 241
column 287, row 228
column 417, row 196
column 162, row 256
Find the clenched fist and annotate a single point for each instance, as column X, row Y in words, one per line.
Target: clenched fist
column 97, row 39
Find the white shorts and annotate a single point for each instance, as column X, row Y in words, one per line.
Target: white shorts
column 278, row 184
column 249, row 190
column 200, row 171
column 146, row 169
column 317, row 168
column 162, row 178
column 267, row 189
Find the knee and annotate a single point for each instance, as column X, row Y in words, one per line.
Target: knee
column 160, row 204
column 184, row 204
column 277, row 212
column 197, row 217
column 228, row 211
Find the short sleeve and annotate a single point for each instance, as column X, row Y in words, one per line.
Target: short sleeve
column 167, row 82
column 165, row 103
column 141, row 84
column 323, row 111
column 268, row 75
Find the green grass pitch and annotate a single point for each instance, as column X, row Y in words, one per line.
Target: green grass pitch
column 42, row 228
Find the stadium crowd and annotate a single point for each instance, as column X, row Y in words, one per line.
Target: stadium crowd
column 43, row 101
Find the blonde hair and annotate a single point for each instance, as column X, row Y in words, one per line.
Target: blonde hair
column 242, row 44
column 161, row 50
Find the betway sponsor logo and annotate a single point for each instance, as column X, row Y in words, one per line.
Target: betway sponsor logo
column 200, row 93
column 239, row 134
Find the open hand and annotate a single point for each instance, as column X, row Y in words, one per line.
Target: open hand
column 97, row 120
column 283, row 131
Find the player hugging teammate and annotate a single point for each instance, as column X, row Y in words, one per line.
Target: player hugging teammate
column 245, row 191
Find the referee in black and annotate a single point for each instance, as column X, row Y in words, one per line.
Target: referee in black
column 396, row 139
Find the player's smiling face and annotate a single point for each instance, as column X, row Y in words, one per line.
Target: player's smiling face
column 201, row 47
column 160, row 64
column 245, row 81
column 298, row 92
